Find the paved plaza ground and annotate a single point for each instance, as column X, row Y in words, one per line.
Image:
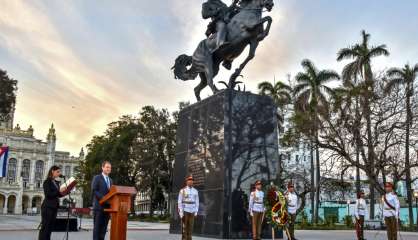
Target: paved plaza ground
column 22, row 228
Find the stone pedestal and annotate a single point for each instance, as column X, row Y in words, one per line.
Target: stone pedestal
column 225, row 160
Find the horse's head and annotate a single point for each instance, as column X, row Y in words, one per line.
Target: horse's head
column 258, row 4
column 268, row 4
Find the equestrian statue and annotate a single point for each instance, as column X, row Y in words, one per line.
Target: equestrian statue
column 231, row 29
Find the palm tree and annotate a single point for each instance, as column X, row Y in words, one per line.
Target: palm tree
column 279, row 91
column 406, row 77
column 311, row 95
column 281, row 95
column 362, row 55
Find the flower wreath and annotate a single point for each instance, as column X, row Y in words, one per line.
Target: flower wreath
column 276, row 208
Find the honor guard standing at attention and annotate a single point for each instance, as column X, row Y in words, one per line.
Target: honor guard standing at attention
column 292, row 207
column 360, row 210
column 256, row 209
column 391, row 209
column 188, row 206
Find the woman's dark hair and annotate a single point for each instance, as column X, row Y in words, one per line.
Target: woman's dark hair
column 53, row 168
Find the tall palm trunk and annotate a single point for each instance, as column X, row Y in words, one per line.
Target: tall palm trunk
column 358, row 186
column 407, row 163
column 370, row 148
column 318, row 178
column 312, row 184
column 358, row 125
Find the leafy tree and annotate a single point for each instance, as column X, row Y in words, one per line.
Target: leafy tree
column 311, row 96
column 154, row 153
column 141, row 150
column 114, row 146
column 405, row 77
column 7, row 94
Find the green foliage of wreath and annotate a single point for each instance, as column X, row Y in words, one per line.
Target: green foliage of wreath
column 273, row 197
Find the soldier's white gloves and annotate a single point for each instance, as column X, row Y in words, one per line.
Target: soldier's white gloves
column 195, row 214
column 181, row 215
column 251, row 213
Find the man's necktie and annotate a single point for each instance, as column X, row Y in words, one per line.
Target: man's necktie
column 107, row 182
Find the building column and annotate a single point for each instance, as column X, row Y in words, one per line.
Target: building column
column 29, row 208
column 6, row 199
column 32, row 174
column 19, row 163
column 18, row 205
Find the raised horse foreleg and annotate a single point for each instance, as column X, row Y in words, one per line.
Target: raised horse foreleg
column 266, row 32
column 251, row 55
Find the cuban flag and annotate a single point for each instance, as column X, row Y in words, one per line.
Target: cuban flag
column 4, row 151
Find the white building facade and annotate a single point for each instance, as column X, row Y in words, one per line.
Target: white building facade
column 296, row 159
column 27, row 167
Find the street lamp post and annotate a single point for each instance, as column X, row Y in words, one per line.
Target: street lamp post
column 416, row 205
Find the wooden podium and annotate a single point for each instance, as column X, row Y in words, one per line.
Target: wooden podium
column 119, row 198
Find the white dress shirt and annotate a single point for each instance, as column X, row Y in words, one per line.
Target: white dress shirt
column 292, row 202
column 392, row 199
column 256, row 202
column 188, row 201
column 360, row 209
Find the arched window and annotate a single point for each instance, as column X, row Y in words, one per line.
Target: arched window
column 26, row 170
column 39, row 173
column 11, row 170
column 67, row 171
column 39, row 170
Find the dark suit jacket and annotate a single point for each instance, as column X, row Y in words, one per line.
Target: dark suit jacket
column 99, row 190
column 52, row 193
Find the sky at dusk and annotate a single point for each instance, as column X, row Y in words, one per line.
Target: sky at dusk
column 82, row 64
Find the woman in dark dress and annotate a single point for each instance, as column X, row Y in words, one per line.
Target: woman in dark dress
column 50, row 204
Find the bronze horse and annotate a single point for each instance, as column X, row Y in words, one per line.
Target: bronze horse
column 244, row 28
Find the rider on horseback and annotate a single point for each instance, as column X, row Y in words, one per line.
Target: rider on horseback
column 220, row 15
column 242, row 25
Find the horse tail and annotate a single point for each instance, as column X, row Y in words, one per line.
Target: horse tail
column 181, row 70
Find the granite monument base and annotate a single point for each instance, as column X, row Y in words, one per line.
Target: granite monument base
column 226, row 142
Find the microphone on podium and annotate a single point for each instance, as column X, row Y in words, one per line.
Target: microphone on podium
column 61, row 176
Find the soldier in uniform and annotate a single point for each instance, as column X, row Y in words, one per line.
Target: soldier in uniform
column 391, row 209
column 360, row 210
column 256, row 209
column 188, row 206
column 292, row 207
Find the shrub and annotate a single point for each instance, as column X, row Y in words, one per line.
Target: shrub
column 330, row 220
column 348, row 221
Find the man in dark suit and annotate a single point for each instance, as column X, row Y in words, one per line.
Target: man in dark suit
column 100, row 187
